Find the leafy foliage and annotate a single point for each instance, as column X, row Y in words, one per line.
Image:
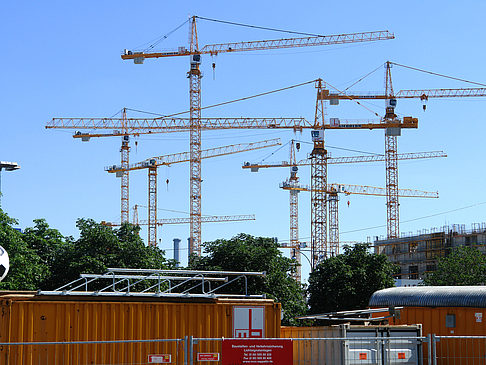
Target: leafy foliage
column 41, row 258
column 27, row 269
column 100, row 247
column 463, row 266
column 347, row 281
column 247, row 253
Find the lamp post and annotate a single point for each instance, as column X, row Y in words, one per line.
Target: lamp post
column 8, row 166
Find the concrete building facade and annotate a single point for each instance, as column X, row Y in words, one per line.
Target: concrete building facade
column 418, row 254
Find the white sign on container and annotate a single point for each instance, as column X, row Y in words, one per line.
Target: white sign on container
column 248, row 322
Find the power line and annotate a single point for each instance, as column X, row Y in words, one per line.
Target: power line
column 418, row 218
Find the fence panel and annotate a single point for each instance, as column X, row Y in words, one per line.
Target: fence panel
column 318, row 351
column 459, row 350
column 209, row 351
column 92, row 352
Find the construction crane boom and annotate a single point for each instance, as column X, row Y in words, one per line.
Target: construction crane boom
column 348, row 189
column 137, row 126
column 342, row 160
column 167, row 160
column 422, row 94
column 204, row 219
column 214, row 49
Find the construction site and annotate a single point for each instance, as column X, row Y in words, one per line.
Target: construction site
column 417, row 254
column 324, row 240
column 317, row 134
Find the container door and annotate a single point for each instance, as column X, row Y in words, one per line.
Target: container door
column 401, row 351
column 365, row 352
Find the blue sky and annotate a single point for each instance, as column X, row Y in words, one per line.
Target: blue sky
column 62, row 59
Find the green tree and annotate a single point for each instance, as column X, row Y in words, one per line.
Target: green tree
column 47, row 243
column 247, row 253
column 27, row 270
column 100, row 247
column 463, row 266
column 347, row 281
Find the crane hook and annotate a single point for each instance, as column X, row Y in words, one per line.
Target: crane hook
column 424, row 99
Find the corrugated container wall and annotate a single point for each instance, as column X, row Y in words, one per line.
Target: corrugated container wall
column 328, row 351
column 31, row 318
column 447, row 321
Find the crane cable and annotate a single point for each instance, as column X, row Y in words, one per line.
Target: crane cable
column 437, row 74
column 350, row 98
column 362, row 78
column 258, row 27
column 158, row 40
column 228, row 102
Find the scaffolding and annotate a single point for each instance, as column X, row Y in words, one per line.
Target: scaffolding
column 417, row 254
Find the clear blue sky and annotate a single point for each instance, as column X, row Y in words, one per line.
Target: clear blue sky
column 62, row 59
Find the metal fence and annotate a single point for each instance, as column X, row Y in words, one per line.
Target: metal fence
column 458, row 350
column 430, row 350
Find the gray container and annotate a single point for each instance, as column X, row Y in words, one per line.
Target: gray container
column 328, row 344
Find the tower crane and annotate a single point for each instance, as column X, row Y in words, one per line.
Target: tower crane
column 391, row 134
column 195, row 75
column 332, row 195
column 292, row 184
column 137, row 126
column 151, row 164
column 319, row 159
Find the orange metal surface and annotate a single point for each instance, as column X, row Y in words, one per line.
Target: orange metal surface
column 433, row 320
column 452, row 351
column 30, row 318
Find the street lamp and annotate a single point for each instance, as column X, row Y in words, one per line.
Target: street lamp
column 8, row 166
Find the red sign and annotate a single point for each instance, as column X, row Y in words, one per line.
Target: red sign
column 209, row 356
column 256, row 352
column 401, row 355
column 159, row 359
column 363, row 356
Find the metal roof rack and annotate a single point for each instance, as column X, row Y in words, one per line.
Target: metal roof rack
column 157, row 283
column 360, row 315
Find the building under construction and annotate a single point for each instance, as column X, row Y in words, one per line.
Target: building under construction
column 418, row 254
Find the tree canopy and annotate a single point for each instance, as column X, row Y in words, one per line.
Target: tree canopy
column 347, row 281
column 27, row 269
column 463, row 266
column 247, row 253
column 41, row 258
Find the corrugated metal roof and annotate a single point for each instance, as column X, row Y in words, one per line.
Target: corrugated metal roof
column 431, row 296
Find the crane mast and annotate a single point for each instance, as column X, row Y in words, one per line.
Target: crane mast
column 332, row 202
column 391, row 161
column 195, row 76
column 125, row 153
column 294, row 216
column 318, row 159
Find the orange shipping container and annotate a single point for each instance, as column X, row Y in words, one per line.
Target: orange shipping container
column 31, row 318
column 443, row 311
